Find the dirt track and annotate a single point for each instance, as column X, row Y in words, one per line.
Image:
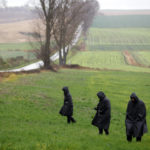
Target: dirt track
column 130, row 59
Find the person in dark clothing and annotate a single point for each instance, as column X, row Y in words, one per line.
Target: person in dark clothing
column 67, row 108
column 135, row 118
column 103, row 114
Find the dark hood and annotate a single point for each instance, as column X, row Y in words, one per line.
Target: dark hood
column 101, row 95
column 133, row 95
column 66, row 90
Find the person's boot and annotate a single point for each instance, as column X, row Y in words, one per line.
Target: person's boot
column 138, row 139
column 129, row 138
column 73, row 120
column 68, row 119
column 101, row 131
column 106, row 132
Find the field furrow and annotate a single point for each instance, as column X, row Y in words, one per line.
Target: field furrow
column 130, row 59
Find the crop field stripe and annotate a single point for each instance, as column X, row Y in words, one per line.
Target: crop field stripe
column 143, row 57
column 113, row 60
column 118, row 39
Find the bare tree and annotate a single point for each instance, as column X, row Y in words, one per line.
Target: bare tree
column 72, row 15
column 63, row 29
column 47, row 13
column 91, row 9
column 62, row 21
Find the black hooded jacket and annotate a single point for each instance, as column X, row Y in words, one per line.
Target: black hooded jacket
column 136, row 117
column 103, row 114
column 67, row 108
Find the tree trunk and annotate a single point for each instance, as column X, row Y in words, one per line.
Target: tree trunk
column 46, row 58
column 63, row 55
column 65, row 58
column 60, row 57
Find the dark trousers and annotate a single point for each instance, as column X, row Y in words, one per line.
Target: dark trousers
column 101, row 131
column 129, row 138
column 70, row 119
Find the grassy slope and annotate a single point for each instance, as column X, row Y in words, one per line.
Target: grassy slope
column 104, row 60
column 29, row 107
column 118, row 39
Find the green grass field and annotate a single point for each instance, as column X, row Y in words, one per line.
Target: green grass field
column 29, row 106
column 10, row 51
column 113, row 60
column 118, row 39
column 122, row 21
column 6, row 54
column 15, row 46
column 15, row 58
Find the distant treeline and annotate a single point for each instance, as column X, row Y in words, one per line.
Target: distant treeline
column 122, row 21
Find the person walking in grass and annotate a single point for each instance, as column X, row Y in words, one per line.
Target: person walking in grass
column 135, row 118
column 103, row 114
column 67, row 108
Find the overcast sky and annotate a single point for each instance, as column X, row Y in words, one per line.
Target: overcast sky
column 104, row 4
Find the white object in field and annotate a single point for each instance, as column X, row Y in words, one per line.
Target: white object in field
column 39, row 64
